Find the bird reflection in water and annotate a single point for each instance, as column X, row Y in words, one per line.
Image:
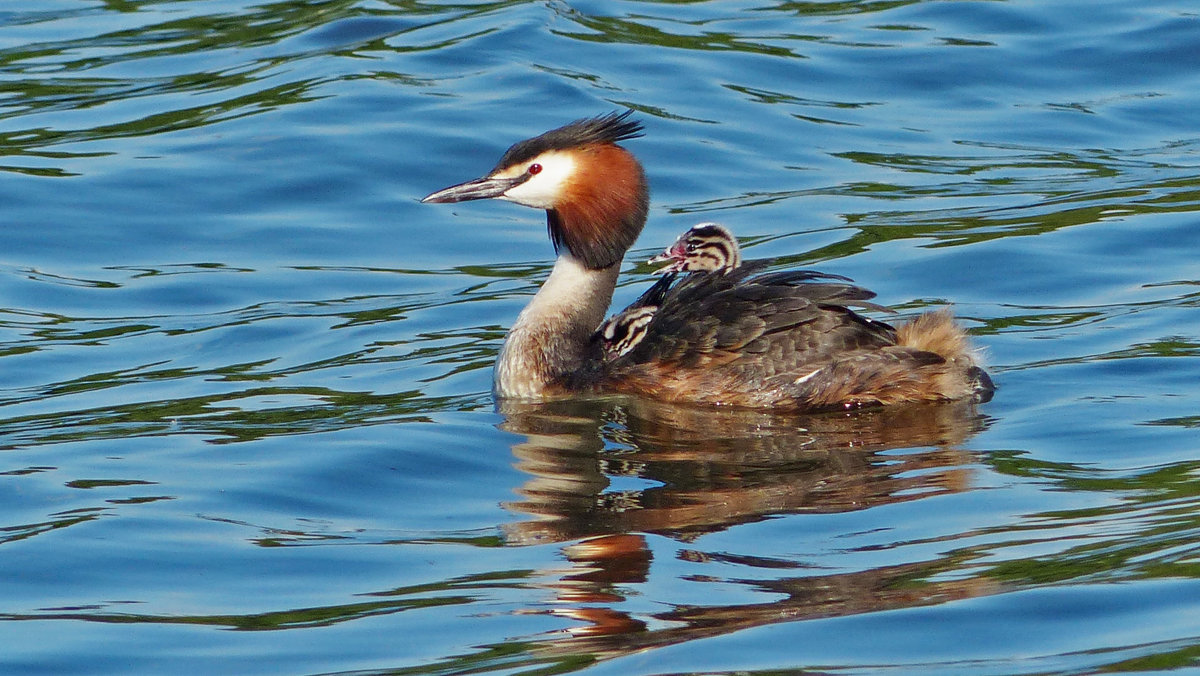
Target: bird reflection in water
column 701, row 470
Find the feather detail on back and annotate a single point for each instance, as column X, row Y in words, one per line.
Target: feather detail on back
column 787, row 339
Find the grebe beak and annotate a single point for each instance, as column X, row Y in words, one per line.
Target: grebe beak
column 478, row 189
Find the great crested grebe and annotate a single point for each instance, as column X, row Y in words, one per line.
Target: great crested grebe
column 744, row 337
column 703, row 248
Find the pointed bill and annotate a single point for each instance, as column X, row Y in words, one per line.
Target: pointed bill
column 478, row 189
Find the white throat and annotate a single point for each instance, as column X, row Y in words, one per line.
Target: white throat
column 551, row 334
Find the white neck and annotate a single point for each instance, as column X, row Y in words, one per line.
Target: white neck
column 551, row 334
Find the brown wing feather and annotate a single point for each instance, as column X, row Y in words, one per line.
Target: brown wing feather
column 708, row 312
column 737, row 337
column 785, row 340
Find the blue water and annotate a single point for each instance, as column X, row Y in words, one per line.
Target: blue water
column 245, row 412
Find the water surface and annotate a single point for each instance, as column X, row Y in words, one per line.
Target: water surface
column 245, row 406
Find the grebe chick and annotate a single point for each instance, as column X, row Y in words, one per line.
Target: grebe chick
column 788, row 339
column 707, row 247
column 704, row 247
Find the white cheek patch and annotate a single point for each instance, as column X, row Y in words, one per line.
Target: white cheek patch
column 542, row 190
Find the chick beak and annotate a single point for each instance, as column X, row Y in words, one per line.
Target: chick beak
column 676, row 254
column 478, row 189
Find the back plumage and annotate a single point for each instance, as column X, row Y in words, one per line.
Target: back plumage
column 789, row 339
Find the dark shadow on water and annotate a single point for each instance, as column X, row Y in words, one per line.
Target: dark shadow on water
column 720, row 468
column 705, row 471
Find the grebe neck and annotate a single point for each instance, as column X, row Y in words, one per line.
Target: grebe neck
column 550, row 337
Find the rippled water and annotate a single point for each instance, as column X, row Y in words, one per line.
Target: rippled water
column 244, row 391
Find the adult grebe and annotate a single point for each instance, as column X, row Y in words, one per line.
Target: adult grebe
column 742, row 337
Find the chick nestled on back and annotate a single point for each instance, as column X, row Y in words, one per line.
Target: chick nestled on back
column 707, row 247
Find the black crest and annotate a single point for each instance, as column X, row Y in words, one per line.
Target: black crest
column 609, row 128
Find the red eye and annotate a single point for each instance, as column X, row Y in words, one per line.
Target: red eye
column 534, row 169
